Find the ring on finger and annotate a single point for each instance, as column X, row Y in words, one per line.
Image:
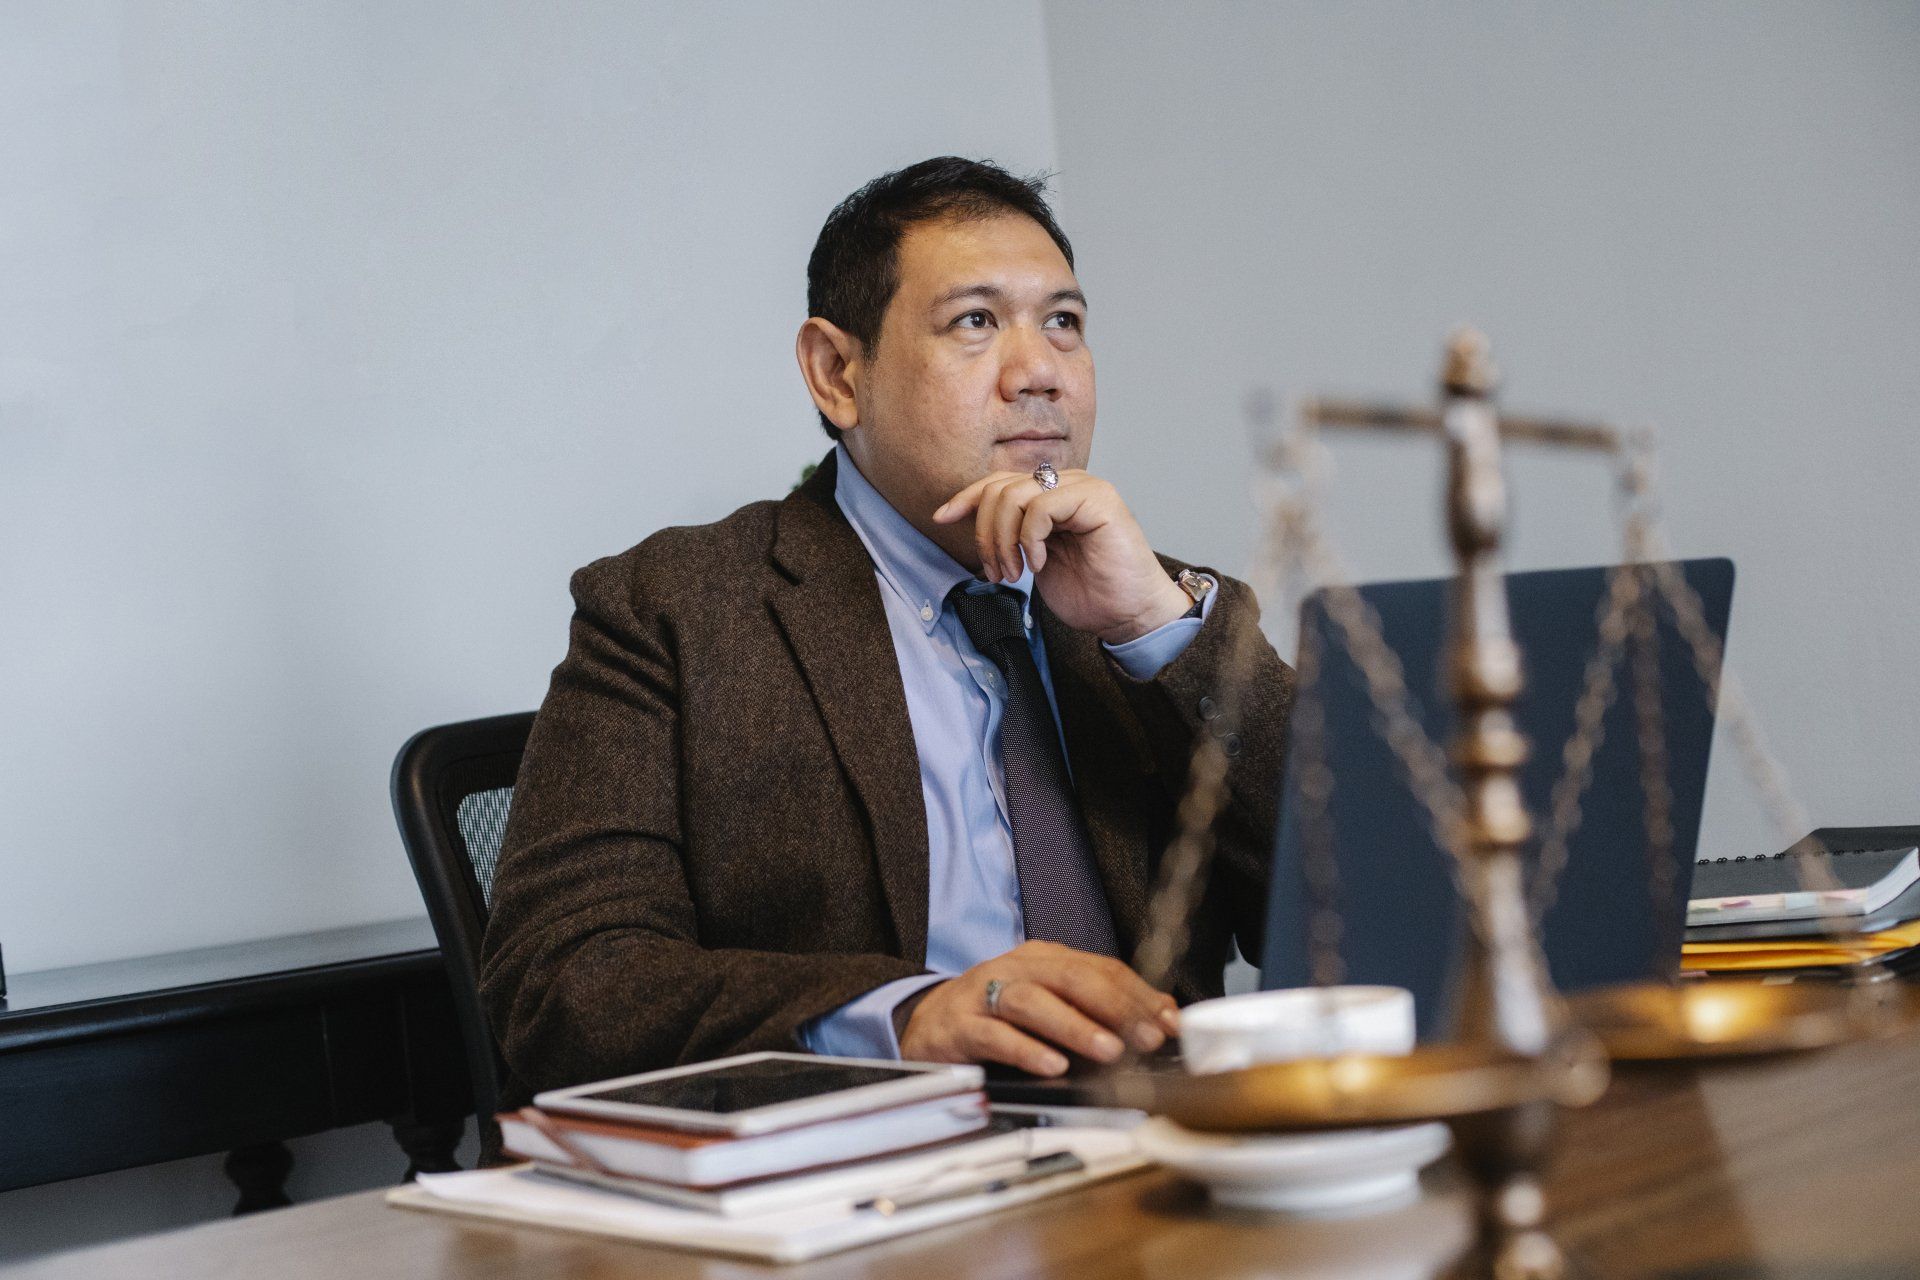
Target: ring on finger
column 1047, row 476
column 994, row 988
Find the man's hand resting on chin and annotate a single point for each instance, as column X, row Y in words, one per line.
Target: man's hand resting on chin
column 1050, row 996
column 1090, row 560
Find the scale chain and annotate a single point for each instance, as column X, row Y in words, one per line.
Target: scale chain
column 1295, row 550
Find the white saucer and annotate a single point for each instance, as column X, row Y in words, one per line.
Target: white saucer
column 1341, row 1171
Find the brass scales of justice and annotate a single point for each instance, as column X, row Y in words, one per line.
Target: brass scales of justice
column 1517, row 1051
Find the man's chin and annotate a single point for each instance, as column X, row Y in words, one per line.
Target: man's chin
column 1025, row 455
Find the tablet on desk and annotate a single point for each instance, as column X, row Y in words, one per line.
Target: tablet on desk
column 761, row 1092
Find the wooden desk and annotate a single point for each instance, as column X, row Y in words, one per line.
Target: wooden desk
column 234, row 1049
column 1802, row 1167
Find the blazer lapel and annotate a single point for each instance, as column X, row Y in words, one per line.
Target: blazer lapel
column 831, row 613
column 1110, row 768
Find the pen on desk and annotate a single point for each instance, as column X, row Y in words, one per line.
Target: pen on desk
column 1035, row 1169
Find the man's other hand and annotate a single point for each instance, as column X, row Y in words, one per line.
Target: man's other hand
column 1091, row 561
column 1050, row 996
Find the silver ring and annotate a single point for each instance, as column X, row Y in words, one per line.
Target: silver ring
column 994, row 988
column 1047, row 476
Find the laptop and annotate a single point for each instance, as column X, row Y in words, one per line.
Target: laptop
column 1397, row 903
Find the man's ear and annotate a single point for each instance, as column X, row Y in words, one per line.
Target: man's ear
column 831, row 362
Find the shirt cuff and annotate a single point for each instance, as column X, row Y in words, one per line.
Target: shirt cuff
column 863, row 1026
column 1143, row 656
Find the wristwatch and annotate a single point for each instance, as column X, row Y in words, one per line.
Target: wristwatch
column 1196, row 585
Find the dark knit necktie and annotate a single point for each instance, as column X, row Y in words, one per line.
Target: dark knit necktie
column 1060, row 896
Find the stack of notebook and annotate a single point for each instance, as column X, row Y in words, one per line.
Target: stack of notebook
column 776, row 1156
column 1780, row 912
column 741, row 1175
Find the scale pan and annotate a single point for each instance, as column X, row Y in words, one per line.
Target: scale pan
column 1737, row 1017
column 1434, row 1082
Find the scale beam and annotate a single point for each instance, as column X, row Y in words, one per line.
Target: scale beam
column 1373, row 415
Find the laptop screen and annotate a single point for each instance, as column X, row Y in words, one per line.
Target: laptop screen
column 1395, row 897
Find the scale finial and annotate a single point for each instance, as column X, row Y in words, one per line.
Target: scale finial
column 1469, row 369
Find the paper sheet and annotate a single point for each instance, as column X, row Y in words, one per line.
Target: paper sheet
column 516, row 1194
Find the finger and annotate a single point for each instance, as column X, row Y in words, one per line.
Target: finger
column 957, row 507
column 1159, row 1009
column 982, row 513
column 1032, row 1007
column 1035, row 525
column 997, row 1040
column 985, row 520
column 1071, row 508
column 1010, row 507
column 1114, row 995
column 1087, row 981
column 1046, row 511
column 984, row 528
column 1080, row 505
column 960, row 504
column 1165, row 1011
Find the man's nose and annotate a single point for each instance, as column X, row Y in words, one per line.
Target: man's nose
column 1030, row 365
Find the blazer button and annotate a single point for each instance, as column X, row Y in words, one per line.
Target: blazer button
column 1207, row 709
column 1230, row 745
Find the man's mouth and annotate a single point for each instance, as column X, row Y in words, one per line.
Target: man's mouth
column 1034, row 435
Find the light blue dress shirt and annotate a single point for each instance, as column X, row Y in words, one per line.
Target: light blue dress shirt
column 954, row 701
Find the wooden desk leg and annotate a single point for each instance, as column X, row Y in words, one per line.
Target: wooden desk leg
column 429, row 1144
column 261, row 1174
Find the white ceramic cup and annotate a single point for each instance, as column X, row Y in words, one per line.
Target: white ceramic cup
column 1234, row 1032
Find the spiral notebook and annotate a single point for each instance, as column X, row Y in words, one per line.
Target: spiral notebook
column 1779, row 887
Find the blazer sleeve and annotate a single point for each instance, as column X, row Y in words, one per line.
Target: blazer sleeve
column 592, row 964
column 1189, row 697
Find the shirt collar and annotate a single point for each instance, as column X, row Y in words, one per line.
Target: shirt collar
column 908, row 561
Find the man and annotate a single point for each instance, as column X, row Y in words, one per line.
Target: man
column 887, row 767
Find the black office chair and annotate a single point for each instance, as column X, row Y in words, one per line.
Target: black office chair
column 452, row 788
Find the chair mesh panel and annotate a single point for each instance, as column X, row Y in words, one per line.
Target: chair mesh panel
column 482, row 816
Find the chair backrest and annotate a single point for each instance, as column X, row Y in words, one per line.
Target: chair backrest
column 452, row 789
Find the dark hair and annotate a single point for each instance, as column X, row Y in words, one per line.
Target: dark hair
column 855, row 267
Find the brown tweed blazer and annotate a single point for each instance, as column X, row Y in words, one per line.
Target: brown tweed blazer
column 718, row 831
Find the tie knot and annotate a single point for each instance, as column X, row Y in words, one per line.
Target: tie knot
column 988, row 617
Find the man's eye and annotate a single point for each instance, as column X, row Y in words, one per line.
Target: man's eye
column 966, row 320
column 1072, row 320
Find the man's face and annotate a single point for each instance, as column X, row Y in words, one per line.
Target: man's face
column 982, row 364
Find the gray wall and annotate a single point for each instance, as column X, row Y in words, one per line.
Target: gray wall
column 333, row 338
column 1702, row 216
